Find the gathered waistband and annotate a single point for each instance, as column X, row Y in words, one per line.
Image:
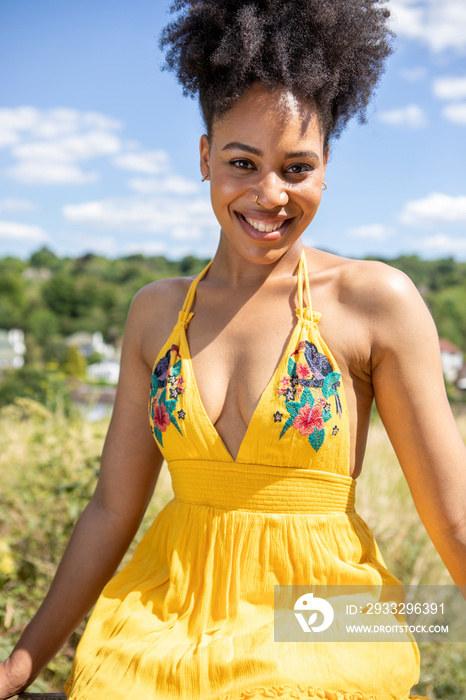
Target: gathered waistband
column 263, row 488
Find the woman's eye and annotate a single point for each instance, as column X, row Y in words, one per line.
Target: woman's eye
column 299, row 168
column 242, row 164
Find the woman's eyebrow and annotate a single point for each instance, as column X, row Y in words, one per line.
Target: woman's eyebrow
column 237, row 145
column 302, row 154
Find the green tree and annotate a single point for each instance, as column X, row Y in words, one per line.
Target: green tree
column 48, row 388
column 43, row 324
column 75, row 364
column 190, row 265
column 59, row 293
column 12, row 288
column 448, row 307
column 44, row 258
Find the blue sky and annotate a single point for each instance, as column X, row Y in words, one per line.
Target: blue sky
column 99, row 149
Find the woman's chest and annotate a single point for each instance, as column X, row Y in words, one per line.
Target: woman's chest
column 234, row 359
column 274, row 357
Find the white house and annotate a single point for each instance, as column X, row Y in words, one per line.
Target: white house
column 88, row 343
column 108, row 371
column 12, row 349
column 452, row 359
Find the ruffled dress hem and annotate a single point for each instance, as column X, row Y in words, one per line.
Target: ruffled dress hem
column 288, row 692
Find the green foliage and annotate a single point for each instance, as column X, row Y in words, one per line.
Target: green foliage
column 12, row 298
column 93, row 293
column 448, row 307
column 60, row 295
column 44, row 258
column 14, row 265
column 384, row 501
column 75, row 364
column 42, row 324
column 12, row 287
column 46, row 387
column 48, row 469
column 48, row 472
column 55, row 297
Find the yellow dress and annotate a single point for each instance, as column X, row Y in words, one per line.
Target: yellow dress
column 191, row 616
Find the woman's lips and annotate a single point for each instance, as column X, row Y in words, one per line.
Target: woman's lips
column 263, row 229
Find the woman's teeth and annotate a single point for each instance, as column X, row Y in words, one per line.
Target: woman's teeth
column 265, row 228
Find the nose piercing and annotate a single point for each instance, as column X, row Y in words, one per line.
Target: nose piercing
column 256, row 199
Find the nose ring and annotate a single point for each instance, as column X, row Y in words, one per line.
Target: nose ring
column 256, row 199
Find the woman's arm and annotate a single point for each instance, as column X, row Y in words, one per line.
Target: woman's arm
column 412, row 402
column 130, row 466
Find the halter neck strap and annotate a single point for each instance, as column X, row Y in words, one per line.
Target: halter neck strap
column 192, row 291
column 303, row 281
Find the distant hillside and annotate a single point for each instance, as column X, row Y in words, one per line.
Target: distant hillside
column 49, row 297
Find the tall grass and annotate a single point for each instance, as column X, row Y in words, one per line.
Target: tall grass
column 48, row 470
column 384, row 501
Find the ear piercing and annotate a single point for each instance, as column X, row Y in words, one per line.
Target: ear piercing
column 206, row 177
column 324, row 185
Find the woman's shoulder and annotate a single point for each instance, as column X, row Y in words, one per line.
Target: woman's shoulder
column 170, row 291
column 154, row 312
column 366, row 286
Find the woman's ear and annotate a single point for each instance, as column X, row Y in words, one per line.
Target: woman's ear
column 204, row 151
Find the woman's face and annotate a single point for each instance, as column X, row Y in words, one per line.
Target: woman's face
column 268, row 145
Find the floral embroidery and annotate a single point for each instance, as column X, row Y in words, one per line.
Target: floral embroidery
column 277, row 416
column 166, row 375
column 307, row 390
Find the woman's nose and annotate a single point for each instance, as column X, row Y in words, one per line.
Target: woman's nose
column 272, row 191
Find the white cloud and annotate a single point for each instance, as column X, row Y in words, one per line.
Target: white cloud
column 441, row 24
column 148, row 162
column 53, row 123
column 22, row 232
column 104, row 245
column 411, row 115
column 143, row 215
column 455, row 113
column 16, row 205
column 174, row 184
column 186, row 233
column 450, row 88
column 49, row 173
column 444, row 244
column 374, row 232
column 148, row 248
column 413, row 75
column 19, row 119
column 71, row 148
column 8, row 138
column 48, row 144
column 434, row 209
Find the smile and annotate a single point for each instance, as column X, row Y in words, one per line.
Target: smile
column 265, row 228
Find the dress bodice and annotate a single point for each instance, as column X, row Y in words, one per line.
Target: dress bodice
column 301, row 419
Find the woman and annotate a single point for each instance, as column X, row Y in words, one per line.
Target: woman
column 259, row 404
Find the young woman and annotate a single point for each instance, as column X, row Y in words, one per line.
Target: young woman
column 260, row 375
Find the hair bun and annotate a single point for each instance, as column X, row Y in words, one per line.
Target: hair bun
column 328, row 51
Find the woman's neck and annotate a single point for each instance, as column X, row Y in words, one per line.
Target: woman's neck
column 234, row 269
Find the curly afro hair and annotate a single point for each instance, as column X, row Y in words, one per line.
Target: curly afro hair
column 330, row 52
